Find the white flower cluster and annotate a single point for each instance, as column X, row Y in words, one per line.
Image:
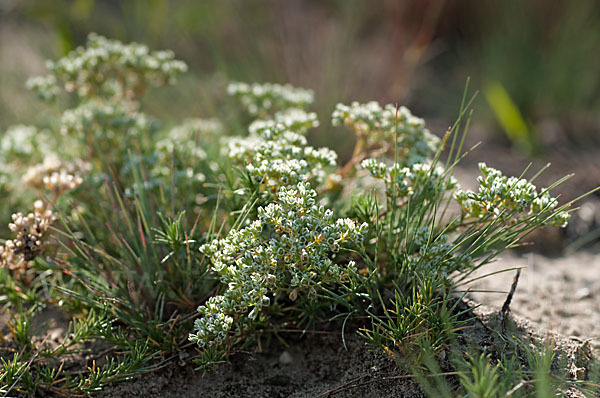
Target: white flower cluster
column 46, row 87
column 29, row 240
column 23, row 142
column 105, row 121
column 379, row 126
column 276, row 152
column 108, row 68
column 286, row 251
column 62, row 181
column 294, row 119
column 277, row 156
column 186, row 136
column 433, row 254
column 268, row 98
column 291, row 120
column 511, row 199
column 56, row 175
column 405, row 181
column 192, row 129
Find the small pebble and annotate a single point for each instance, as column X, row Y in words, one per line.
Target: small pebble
column 583, row 293
column 285, row 358
column 55, row 334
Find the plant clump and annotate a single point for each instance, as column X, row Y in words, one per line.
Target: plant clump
column 286, row 252
column 191, row 239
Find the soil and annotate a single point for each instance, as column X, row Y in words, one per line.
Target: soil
column 560, row 294
column 559, row 286
column 320, row 366
column 315, row 366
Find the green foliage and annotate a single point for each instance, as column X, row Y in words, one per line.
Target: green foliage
column 483, row 382
column 12, row 371
column 21, row 327
column 541, row 363
column 164, row 238
column 423, row 318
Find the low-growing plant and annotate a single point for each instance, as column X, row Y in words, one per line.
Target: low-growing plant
column 181, row 237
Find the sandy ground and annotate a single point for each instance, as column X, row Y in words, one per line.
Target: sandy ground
column 559, row 294
column 557, row 291
column 319, row 365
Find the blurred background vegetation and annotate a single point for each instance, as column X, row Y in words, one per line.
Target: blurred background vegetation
column 536, row 62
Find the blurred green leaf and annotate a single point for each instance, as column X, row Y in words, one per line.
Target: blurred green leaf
column 510, row 118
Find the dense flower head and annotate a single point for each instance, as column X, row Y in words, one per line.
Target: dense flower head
column 56, row 175
column 23, row 143
column 381, row 126
column 192, row 129
column 105, row 121
column 509, row 198
column 287, row 250
column 276, row 152
column 29, row 241
column 46, row 87
column 295, row 119
column 405, row 181
column 108, row 68
column 62, row 181
column 269, row 98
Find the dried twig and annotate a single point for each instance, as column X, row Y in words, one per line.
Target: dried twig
column 506, row 306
